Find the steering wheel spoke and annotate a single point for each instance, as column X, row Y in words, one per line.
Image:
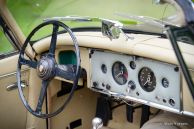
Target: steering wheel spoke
column 65, row 71
column 47, row 68
column 30, row 63
column 43, row 91
column 53, row 40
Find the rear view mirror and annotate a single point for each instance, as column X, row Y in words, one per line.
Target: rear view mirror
column 111, row 29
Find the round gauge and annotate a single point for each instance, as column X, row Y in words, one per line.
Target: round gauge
column 147, row 79
column 119, row 72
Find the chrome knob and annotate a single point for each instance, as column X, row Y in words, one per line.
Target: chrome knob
column 97, row 123
column 41, row 68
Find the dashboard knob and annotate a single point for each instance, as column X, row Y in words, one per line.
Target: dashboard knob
column 131, row 86
column 172, row 102
column 158, row 98
column 132, row 64
column 108, row 87
column 97, row 123
column 95, row 84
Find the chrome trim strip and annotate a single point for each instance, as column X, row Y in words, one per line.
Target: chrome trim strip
column 122, row 96
column 188, row 113
column 154, row 104
column 14, row 86
column 13, row 73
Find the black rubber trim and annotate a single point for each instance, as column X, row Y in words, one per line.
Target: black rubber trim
column 6, row 55
column 181, row 61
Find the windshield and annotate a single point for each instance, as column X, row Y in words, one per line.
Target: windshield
column 30, row 13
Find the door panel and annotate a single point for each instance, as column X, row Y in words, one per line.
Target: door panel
column 8, row 65
column 12, row 111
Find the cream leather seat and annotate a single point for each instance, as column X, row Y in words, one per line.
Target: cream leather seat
column 169, row 121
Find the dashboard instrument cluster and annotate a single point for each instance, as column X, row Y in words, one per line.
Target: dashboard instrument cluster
column 137, row 79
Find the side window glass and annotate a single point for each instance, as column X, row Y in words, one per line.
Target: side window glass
column 5, row 45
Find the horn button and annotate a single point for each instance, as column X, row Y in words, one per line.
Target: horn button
column 46, row 68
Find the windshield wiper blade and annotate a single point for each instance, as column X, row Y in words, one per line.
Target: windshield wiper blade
column 74, row 18
column 148, row 20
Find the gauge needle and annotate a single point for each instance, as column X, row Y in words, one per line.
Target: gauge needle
column 148, row 80
column 119, row 74
column 145, row 82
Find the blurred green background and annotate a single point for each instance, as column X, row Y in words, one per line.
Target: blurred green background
column 5, row 45
column 30, row 13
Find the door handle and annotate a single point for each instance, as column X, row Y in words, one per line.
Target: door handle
column 15, row 86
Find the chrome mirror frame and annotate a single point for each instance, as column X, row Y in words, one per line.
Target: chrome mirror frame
column 111, row 29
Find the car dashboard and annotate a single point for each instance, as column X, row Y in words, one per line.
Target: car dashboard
column 143, row 69
column 137, row 79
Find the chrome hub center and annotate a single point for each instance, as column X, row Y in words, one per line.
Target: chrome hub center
column 41, row 68
column 45, row 69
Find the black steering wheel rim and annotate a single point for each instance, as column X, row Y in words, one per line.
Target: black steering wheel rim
column 21, row 60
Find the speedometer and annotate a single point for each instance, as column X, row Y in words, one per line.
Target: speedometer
column 147, row 79
column 119, row 72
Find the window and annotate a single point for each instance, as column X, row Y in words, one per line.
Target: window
column 5, row 46
column 30, row 13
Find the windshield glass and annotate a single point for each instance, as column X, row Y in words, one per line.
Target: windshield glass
column 30, row 13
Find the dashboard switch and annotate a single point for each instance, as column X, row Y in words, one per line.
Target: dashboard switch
column 108, row 87
column 158, row 98
column 132, row 64
column 131, row 86
column 104, row 68
column 164, row 100
column 172, row 102
column 95, row 84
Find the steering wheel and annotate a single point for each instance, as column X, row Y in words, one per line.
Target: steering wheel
column 47, row 68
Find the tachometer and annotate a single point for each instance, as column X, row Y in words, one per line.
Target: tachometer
column 119, row 72
column 147, row 79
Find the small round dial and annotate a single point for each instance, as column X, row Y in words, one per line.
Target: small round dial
column 119, row 72
column 147, row 79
